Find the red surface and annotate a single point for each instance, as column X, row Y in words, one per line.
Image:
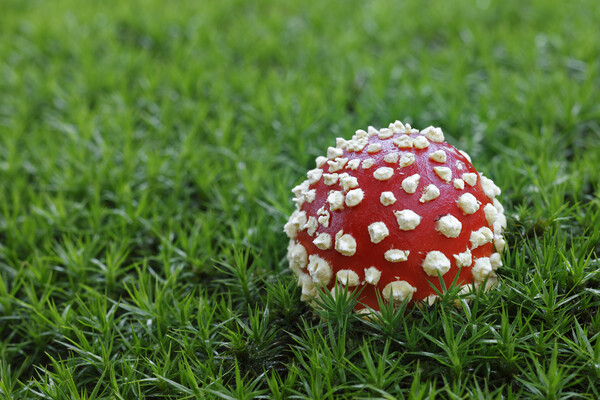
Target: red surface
column 423, row 239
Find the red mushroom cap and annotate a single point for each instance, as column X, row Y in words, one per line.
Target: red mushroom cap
column 390, row 210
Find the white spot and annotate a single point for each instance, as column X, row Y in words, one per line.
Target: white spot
column 298, row 219
column 324, row 219
column 383, row 173
column 348, row 182
column 463, row 259
column 301, row 219
column 387, row 198
column 300, row 189
column 354, row 145
column 378, row 231
column 480, row 237
column 435, row 262
column 347, row 277
column 368, row 163
column 449, row 226
column 431, row 192
column 372, row 131
column 481, row 269
column 311, row 225
column 491, row 213
column 466, row 289
column 359, row 140
column 334, row 152
column 372, row 275
column 309, row 290
column 319, row 270
column 433, row 134
column 438, row 156
column 431, row 299
column 310, row 195
column 291, row 226
column 297, row 256
column 421, row 142
column 498, row 206
column 444, row 173
column 487, row 232
column 314, row 175
column 320, row 161
column 499, row 243
column 323, row 241
column 407, row 159
column 459, row 184
column 305, row 196
column 407, row 219
column 411, row 183
column 391, row 158
column 345, row 243
column 403, row 142
column 295, row 267
column 470, row 178
column 330, row 179
column 341, row 143
column 395, row 255
column 500, row 224
column 402, row 128
column 290, row 230
column 365, row 313
column 495, row 261
column 354, row 197
column 465, row 155
column 354, row 163
column 385, row 133
column 374, row 148
column 299, row 201
column 336, row 200
column 468, row 203
column 398, row 291
column 489, row 187
column 337, row 164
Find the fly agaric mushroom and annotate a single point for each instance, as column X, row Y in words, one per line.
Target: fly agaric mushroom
column 389, row 212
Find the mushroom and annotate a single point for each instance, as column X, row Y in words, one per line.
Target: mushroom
column 389, row 212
